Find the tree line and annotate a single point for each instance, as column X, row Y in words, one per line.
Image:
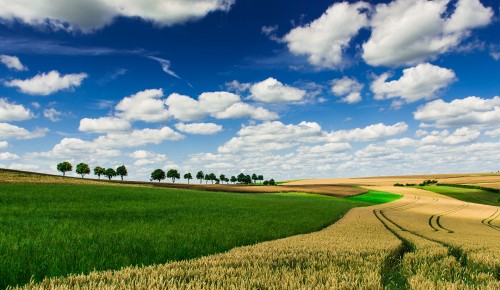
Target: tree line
column 159, row 174
column 84, row 169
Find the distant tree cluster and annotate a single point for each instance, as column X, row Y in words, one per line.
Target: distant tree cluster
column 84, row 169
column 159, row 175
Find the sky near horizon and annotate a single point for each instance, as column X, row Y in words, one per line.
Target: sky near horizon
column 286, row 89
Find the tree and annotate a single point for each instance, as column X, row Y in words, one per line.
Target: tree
column 110, row 173
column 233, row 179
column 212, row 177
column 226, row 180
column 272, row 182
column 241, row 178
column 265, row 182
column 188, row 176
column 82, row 169
column 222, row 177
column 173, row 173
column 64, row 167
column 260, row 177
column 200, row 175
column 255, row 177
column 207, row 178
column 158, row 174
column 98, row 170
column 122, row 171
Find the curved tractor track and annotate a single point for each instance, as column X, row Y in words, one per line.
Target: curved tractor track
column 421, row 241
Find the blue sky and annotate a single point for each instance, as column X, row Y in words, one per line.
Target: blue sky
column 287, row 89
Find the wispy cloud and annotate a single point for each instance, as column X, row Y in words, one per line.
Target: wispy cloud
column 49, row 47
column 165, row 66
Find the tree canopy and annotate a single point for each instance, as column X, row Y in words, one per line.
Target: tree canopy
column 110, row 173
column 98, row 170
column 173, row 173
column 158, row 174
column 64, row 167
column 122, row 171
column 82, row 169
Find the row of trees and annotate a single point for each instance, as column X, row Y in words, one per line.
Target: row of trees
column 159, row 175
column 84, row 169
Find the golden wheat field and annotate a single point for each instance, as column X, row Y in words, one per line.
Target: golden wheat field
column 422, row 241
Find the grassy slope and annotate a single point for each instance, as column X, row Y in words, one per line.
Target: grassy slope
column 376, row 197
column 53, row 230
column 465, row 194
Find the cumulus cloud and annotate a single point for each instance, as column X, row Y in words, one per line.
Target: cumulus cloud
column 243, row 110
column 107, row 146
column 420, row 82
column 406, row 32
column 369, row 133
column 271, row 136
column 104, row 125
column 273, row 91
column 143, row 157
column 89, row 15
column 199, row 128
column 8, row 131
column 146, row 105
column 459, row 136
column 373, row 151
column 348, row 88
column 13, row 112
column 325, row 148
column 4, row 144
column 325, row 39
column 47, row 83
column 471, row 111
column 52, row 114
column 220, row 105
column 12, row 62
column 8, row 156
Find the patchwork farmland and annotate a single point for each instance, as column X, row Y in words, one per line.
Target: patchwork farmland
column 422, row 240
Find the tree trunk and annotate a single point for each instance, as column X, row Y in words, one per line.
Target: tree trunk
column 122, row 178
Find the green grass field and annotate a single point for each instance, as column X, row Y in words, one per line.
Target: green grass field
column 54, row 230
column 465, row 194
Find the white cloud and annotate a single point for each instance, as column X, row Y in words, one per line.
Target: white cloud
column 271, row 136
column 214, row 102
column 493, row 133
column 403, row 142
column 52, row 114
column 374, row 151
column 325, row 39
column 406, row 32
column 461, row 135
column 325, row 148
column 8, row 156
column 13, row 112
column 184, row 108
column 4, row 144
column 420, row 82
column 12, row 62
column 199, row 128
column 47, row 83
column 243, row 110
column 145, row 106
column 8, row 131
column 273, row 91
column 471, row 111
column 143, row 157
column 107, row 146
column 137, row 138
column 368, row 134
column 104, row 125
column 89, row 15
column 349, row 88
column 220, row 105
